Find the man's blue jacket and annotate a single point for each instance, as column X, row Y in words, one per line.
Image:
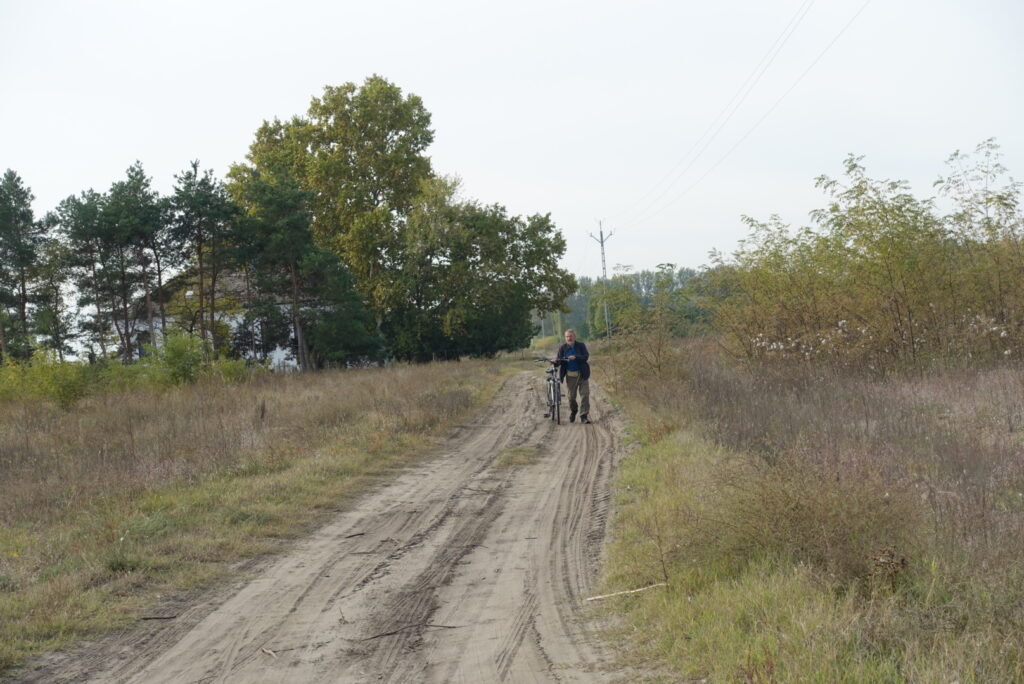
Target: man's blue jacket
column 581, row 356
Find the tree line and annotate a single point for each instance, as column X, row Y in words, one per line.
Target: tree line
column 335, row 238
column 630, row 299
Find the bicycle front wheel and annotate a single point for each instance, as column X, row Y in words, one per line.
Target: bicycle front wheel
column 558, row 404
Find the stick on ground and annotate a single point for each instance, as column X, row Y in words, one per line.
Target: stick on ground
column 629, row 591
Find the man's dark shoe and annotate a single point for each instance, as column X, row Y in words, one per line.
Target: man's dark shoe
column 584, row 419
column 572, row 417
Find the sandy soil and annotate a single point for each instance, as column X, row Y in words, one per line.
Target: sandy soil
column 470, row 568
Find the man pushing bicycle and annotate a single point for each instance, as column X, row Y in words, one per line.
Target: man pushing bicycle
column 575, row 370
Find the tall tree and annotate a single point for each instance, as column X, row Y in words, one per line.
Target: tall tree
column 20, row 239
column 274, row 236
column 367, row 162
column 472, row 275
column 340, row 327
column 328, row 320
column 54, row 321
column 134, row 216
column 514, row 270
column 81, row 227
column 202, row 215
column 167, row 254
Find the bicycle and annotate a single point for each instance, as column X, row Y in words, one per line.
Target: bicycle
column 554, row 393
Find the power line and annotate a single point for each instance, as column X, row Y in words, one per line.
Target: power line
column 722, row 125
column 744, row 90
column 761, row 120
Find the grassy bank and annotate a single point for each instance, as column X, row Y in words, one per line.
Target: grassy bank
column 816, row 525
column 128, row 495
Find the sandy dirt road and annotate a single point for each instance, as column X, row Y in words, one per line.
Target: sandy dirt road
column 470, row 568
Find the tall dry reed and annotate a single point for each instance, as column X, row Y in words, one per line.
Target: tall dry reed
column 903, row 494
column 54, row 460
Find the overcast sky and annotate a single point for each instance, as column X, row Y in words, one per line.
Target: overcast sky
column 586, row 110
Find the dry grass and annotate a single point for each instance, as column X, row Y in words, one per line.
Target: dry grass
column 128, row 494
column 53, row 460
column 886, row 513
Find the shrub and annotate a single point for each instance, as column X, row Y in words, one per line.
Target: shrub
column 11, row 381
column 119, row 377
column 64, row 382
column 47, row 379
column 182, row 357
column 837, row 517
column 882, row 279
column 235, row 370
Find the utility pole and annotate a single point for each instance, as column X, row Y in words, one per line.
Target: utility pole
column 604, row 273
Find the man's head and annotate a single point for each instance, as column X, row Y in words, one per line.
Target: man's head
column 570, row 336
